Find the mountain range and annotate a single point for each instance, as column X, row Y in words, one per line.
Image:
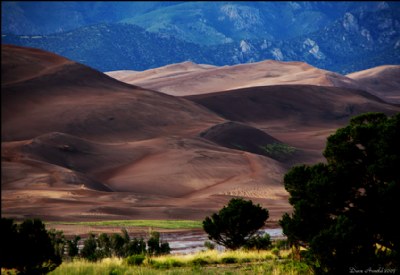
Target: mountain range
column 78, row 144
column 343, row 37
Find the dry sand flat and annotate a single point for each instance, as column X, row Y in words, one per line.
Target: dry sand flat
column 79, row 145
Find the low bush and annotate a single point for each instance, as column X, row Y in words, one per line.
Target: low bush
column 135, row 259
column 199, row 261
column 229, row 260
column 167, row 263
column 275, row 251
column 209, row 245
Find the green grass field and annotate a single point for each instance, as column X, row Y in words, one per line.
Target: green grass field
column 162, row 224
column 208, row 262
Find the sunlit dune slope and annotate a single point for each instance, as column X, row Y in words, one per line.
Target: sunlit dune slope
column 383, row 81
column 187, row 78
column 169, row 71
column 182, row 79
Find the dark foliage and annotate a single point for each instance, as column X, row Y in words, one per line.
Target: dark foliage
column 345, row 209
column 258, row 242
column 29, row 248
column 135, row 259
column 104, row 246
column 89, row 248
column 236, row 223
column 155, row 246
column 117, row 245
column 72, row 247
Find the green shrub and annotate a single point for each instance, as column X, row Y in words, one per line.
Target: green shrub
column 89, row 248
column 246, row 217
column 281, row 244
column 135, row 247
column 229, row 260
column 115, row 271
column 167, row 263
column 155, row 246
column 278, row 151
column 276, row 252
column 72, row 246
column 259, row 242
column 199, row 262
column 245, row 260
column 135, row 259
column 209, row 245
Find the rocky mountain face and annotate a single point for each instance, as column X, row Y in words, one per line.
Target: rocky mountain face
column 198, row 22
column 108, row 47
column 33, row 17
column 337, row 36
column 354, row 42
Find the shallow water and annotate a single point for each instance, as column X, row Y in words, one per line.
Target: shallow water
column 190, row 242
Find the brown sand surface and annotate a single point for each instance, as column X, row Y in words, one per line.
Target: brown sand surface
column 78, row 145
column 170, row 71
column 292, row 106
column 178, row 80
column 184, row 79
column 382, row 81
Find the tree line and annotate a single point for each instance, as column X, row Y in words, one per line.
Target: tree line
column 31, row 249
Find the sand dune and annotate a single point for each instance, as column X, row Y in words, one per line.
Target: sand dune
column 382, row 81
column 186, row 79
column 304, row 105
column 80, row 145
column 169, row 71
column 302, row 116
column 83, row 102
column 21, row 64
column 250, row 139
column 158, row 178
column 178, row 80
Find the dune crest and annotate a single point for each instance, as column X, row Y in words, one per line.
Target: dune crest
column 382, row 81
column 212, row 79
